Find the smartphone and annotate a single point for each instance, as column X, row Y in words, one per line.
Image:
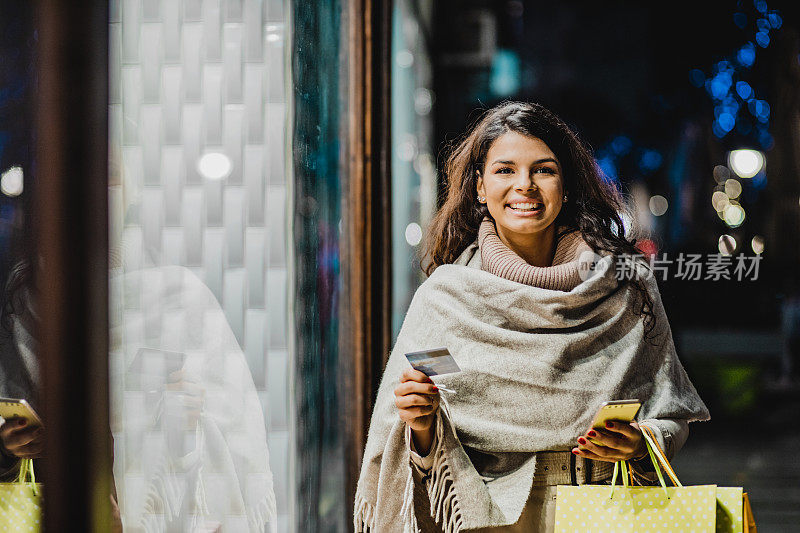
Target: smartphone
column 14, row 408
column 155, row 361
column 150, row 369
column 622, row 410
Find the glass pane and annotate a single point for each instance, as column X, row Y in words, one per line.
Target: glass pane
column 199, row 362
column 20, row 373
column 414, row 186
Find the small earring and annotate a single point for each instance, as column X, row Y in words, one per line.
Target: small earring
column 481, row 199
column 565, row 197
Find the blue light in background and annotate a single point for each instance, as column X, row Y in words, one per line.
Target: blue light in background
column 765, row 139
column 744, row 90
column 504, row 79
column 729, row 92
column 747, row 55
column 722, row 66
column 759, row 109
column 697, row 78
column 719, row 85
column 650, row 160
column 759, row 181
column 621, row 145
column 726, row 121
column 609, row 168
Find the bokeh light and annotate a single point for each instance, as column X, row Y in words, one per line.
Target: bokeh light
column 746, row 163
column 757, row 244
column 719, row 200
column 214, row 165
column 721, row 173
column 658, row 205
column 733, row 214
column 413, row 234
column 404, row 58
column 733, row 188
column 726, row 244
column 11, row 183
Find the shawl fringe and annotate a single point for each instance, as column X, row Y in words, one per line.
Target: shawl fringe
column 266, row 510
column 364, row 516
column 445, row 507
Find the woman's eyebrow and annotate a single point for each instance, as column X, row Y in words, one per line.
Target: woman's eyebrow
column 537, row 162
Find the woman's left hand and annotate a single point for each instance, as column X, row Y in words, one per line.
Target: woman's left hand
column 621, row 441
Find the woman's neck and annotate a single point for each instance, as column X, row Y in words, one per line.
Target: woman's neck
column 536, row 249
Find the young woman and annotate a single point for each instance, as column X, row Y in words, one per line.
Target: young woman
column 536, row 291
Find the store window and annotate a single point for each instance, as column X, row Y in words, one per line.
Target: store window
column 199, row 365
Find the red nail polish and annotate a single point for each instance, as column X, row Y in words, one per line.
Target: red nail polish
column 581, row 440
column 575, row 451
column 592, row 433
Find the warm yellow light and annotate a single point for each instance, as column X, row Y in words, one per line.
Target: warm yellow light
column 733, row 188
column 733, row 214
column 719, row 200
column 726, row 244
column 757, row 244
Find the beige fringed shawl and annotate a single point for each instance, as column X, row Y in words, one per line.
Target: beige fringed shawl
column 536, row 363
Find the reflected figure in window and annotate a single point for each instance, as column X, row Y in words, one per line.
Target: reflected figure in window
column 190, row 440
column 19, row 369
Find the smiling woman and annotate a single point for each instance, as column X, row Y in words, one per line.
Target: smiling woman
column 523, row 190
column 527, row 327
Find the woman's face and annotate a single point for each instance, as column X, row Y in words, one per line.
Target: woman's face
column 522, row 184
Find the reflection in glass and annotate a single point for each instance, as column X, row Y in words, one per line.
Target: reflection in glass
column 199, row 360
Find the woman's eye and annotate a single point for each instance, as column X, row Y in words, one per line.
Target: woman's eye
column 546, row 170
column 503, row 170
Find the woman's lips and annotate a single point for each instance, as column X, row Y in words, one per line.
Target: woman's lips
column 525, row 212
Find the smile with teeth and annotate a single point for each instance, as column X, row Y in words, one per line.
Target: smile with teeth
column 527, row 206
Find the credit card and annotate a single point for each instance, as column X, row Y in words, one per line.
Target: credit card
column 433, row 362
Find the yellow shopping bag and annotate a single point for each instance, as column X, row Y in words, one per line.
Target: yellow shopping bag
column 21, row 501
column 702, row 508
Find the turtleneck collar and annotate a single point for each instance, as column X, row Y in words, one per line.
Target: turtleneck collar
column 501, row 261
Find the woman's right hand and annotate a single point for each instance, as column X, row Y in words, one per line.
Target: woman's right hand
column 417, row 399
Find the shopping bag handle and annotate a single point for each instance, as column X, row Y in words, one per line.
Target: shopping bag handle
column 25, row 472
column 658, row 459
column 657, row 454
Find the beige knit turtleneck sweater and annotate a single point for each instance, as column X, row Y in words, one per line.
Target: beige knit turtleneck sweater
column 500, row 260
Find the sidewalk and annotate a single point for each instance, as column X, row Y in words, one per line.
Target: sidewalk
column 764, row 458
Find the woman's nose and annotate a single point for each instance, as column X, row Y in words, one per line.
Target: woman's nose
column 525, row 182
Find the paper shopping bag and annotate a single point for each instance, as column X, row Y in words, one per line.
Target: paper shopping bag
column 705, row 508
column 586, row 508
column 21, row 502
column 730, row 511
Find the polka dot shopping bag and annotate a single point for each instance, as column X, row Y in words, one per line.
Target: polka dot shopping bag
column 698, row 509
column 21, row 502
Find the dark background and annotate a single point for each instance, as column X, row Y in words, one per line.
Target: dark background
column 621, row 73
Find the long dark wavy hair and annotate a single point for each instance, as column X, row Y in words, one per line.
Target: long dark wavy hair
column 594, row 208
